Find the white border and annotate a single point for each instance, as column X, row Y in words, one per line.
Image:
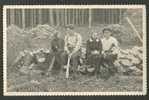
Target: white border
column 143, row 7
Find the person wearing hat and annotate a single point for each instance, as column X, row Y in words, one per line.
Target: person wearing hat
column 93, row 53
column 73, row 42
column 110, row 49
column 57, row 48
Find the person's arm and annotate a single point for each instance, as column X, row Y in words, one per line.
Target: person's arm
column 100, row 46
column 53, row 48
column 88, row 50
column 61, row 45
column 65, row 45
column 116, row 43
column 116, row 46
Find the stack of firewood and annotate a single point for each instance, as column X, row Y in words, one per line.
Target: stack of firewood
column 130, row 60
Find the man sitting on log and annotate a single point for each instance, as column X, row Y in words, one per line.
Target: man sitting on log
column 73, row 42
column 93, row 53
column 57, row 48
column 110, row 50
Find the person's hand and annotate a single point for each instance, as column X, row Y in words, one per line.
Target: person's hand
column 67, row 51
column 104, row 54
column 95, row 52
column 70, row 54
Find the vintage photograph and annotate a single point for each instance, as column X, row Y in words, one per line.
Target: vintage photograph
column 74, row 50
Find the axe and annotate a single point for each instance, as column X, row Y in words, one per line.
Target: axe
column 67, row 67
column 51, row 65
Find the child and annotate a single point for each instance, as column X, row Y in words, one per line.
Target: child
column 93, row 52
column 110, row 50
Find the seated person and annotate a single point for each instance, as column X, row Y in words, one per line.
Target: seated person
column 93, row 52
column 110, row 49
column 73, row 42
column 57, row 48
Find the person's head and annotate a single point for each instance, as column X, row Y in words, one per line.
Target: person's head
column 94, row 35
column 107, row 32
column 56, row 34
column 69, row 29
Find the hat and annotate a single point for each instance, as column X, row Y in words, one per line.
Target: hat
column 70, row 26
column 106, row 29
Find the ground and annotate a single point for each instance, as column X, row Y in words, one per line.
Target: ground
column 83, row 83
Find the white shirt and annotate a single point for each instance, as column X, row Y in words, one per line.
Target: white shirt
column 107, row 43
column 73, row 41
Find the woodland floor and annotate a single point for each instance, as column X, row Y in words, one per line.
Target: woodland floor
column 82, row 83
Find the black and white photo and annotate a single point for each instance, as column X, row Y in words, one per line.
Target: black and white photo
column 74, row 50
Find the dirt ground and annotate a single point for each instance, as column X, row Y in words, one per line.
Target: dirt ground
column 82, row 83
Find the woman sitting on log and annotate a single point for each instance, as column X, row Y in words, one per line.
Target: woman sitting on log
column 93, row 53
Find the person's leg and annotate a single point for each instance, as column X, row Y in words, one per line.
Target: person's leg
column 110, row 60
column 64, row 58
column 75, row 61
column 98, row 63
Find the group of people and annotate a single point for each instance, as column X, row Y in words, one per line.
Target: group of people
column 98, row 51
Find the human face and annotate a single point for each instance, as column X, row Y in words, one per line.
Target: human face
column 107, row 34
column 56, row 34
column 69, row 31
column 94, row 35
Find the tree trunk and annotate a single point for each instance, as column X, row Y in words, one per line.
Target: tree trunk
column 73, row 16
column 76, row 17
column 57, row 18
column 62, row 17
column 120, row 16
column 39, row 16
column 51, row 20
column 12, row 16
column 34, row 17
column 31, row 17
column 65, row 16
column 23, row 18
column 90, row 18
column 82, row 17
column 69, row 18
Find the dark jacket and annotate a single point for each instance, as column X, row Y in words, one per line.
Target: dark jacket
column 92, row 45
column 57, row 45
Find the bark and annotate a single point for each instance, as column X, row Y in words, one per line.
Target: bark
column 82, row 17
column 39, row 16
column 51, row 20
column 90, row 18
column 76, row 16
column 12, row 16
column 57, row 18
column 23, row 18
column 65, row 16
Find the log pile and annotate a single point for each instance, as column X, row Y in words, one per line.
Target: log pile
column 42, row 31
column 19, row 40
column 35, row 61
column 130, row 60
column 41, row 36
